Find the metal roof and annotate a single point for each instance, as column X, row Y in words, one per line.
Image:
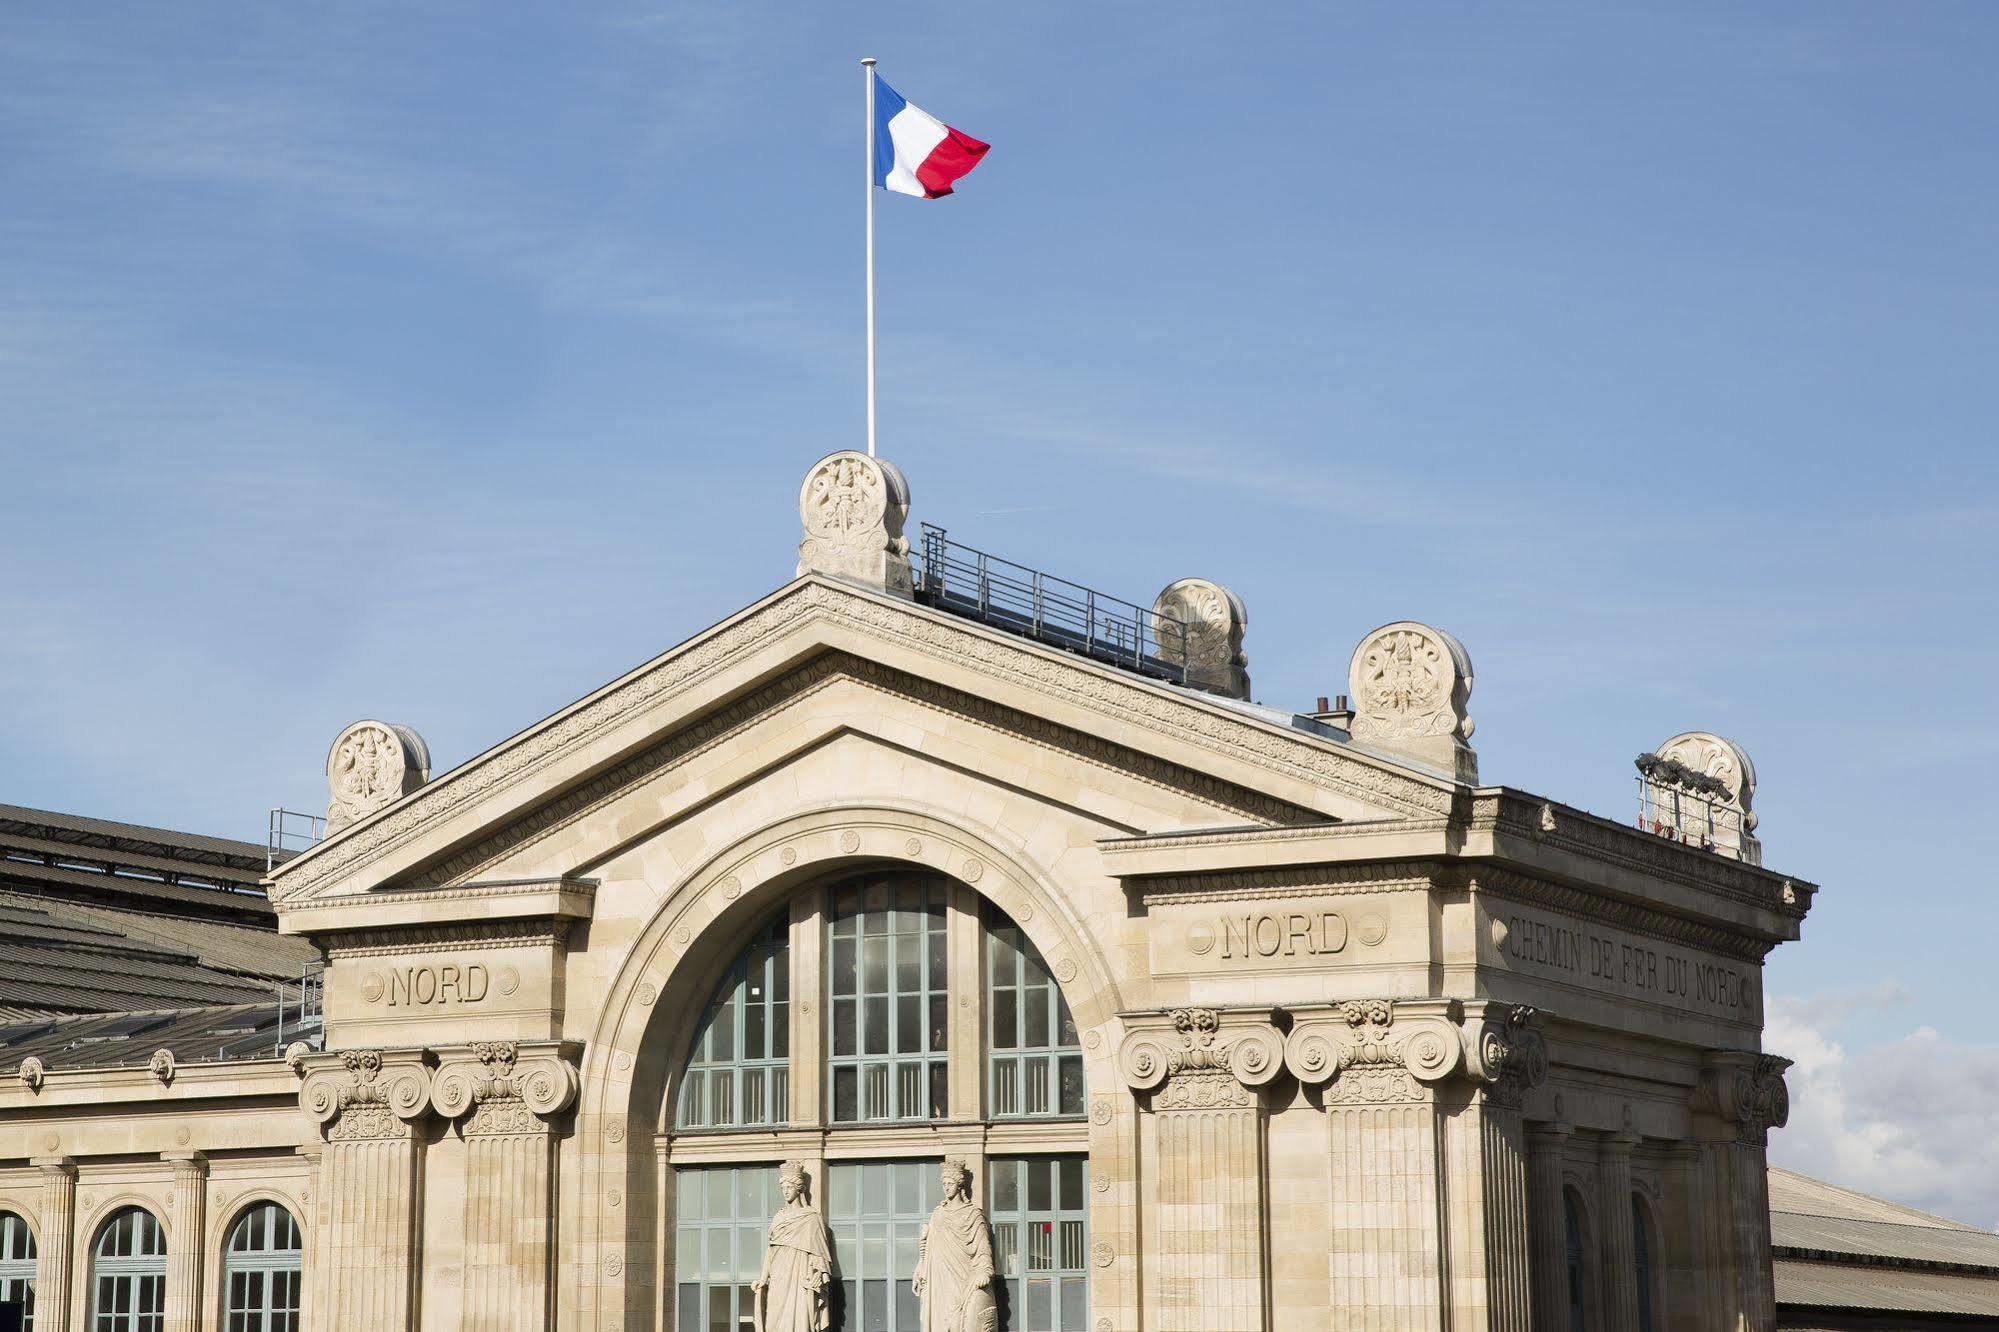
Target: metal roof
column 1851, row 1286
column 134, row 837
column 1842, row 1251
column 124, row 1040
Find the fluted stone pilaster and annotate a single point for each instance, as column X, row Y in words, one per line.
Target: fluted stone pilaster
column 1205, row 1070
column 187, row 1238
column 1547, row 1145
column 1739, row 1099
column 504, row 1095
column 1618, row 1246
column 369, row 1217
column 58, row 1243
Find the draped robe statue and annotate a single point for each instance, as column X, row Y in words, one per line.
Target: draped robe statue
column 790, row 1292
column 954, row 1261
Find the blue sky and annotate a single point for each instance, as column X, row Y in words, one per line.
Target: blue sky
column 438, row 362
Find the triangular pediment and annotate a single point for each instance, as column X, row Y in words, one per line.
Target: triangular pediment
column 1240, row 763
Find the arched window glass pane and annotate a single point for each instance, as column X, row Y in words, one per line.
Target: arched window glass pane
column 260, row 1271
column 1572, row 1229
column 1036, row 1064
column 739, row 1070
column 887, row 1000
column 129, row 1274
column 1641, row 1249
column 17, row 1267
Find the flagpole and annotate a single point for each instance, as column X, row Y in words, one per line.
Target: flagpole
column 868, row 72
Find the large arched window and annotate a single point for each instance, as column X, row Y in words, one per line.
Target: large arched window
column 739, row 1071
column 128, row 1270
column 260, row 1271
column 929, row 1026
column 1575, row 1243
column 17, row 1266
column 1641, row 1253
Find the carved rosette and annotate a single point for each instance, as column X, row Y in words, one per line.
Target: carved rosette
column 853, row 508
column 1201, row 1058
column 1410, row 685
column 1372, row 1053
column 357, row 1095
column 1213, row 621
column 372, row 764
column 499, row 1088
column 1746, row 1092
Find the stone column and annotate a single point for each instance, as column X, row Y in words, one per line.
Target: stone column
column 1205, row 1070
column 1740, row 1098
column 370, row 1200
column 508, row 1093
column 1617, row 1250
column 1486, row 1180
column 187, row 1245
column 1547, row 1145
column 1690, row 1297
column 1382, row 1062
column 52, row 1267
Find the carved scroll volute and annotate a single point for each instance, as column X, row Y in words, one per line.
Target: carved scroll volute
column 1747, row 1092
column 1145, row 1059
column 1506, row 1054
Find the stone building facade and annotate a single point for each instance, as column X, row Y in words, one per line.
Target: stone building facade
column 1242, row 1019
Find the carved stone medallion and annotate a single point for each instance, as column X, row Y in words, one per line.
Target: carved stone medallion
column 1212, row 620
column 372, row 764
column 1410, row 684
column 853, row 508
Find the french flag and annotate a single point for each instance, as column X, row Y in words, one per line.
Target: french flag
column 915, row 152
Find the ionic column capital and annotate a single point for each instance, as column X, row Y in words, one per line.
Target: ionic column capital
column 1202, row 1057
column 506, row 1086
column 1744, row 1091
column 365, row 1093
column 1400, row 1049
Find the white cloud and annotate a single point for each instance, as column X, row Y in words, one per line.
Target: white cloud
column 1914, row 1119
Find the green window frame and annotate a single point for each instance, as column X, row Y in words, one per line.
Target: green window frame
column 262, row 1277
column 1039, row 1209
column 1034, row 1055
column 739, row 1071
column 723, row 1214
column 17, row 1266
column 875, row 1211
column 128, row 1272
column 888, row 1000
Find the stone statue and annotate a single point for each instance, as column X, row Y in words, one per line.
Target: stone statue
column 954, row 1260
column 790, row 1292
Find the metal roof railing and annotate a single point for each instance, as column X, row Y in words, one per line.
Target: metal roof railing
column 966, row 581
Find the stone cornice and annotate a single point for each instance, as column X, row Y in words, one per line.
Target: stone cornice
column 398, row 941
column 1517, row 814
column 1127, row 701
column 1586, row 904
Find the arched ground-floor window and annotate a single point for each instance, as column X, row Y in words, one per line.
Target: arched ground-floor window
column 17, row 1267
column 260, row 1271
column 128, row 1271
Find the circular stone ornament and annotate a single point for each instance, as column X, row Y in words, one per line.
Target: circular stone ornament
column 372, row 764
